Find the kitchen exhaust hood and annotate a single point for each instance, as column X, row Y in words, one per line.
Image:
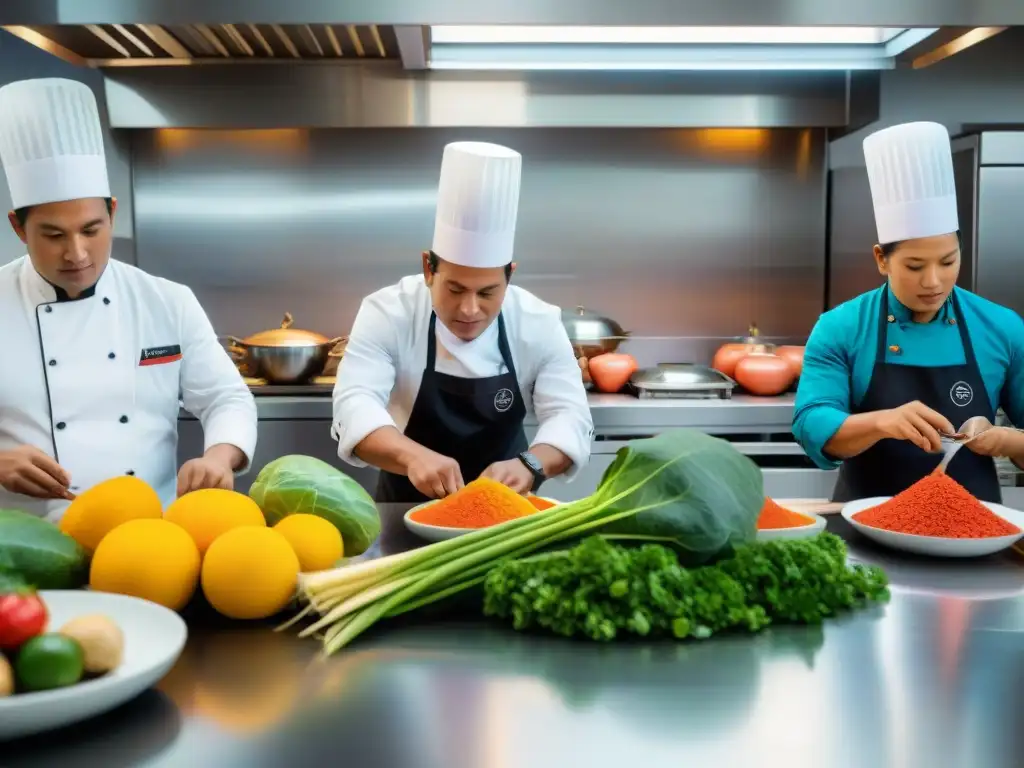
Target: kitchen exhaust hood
column 773, row 13
column 573, row 63
column 503, row 47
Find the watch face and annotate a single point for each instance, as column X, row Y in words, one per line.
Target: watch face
column 531, row 461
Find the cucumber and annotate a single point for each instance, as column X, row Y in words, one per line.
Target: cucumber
column 39, row 553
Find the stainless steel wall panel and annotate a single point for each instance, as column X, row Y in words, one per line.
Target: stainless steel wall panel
column 684, row 236
column 346, row 95
column 1002, row 148
column 998, row 261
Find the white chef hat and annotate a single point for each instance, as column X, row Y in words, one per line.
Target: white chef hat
column 51, row 142
column 477, row 204
column 910, row 169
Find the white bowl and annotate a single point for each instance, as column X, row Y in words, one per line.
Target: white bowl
column 815, row 526
column 938, row 546
column 442, row 533
column 154, row 637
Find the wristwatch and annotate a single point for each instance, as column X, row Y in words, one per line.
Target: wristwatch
column 533, row 464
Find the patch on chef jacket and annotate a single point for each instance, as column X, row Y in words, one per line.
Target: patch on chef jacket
column 160, row 355
column 503, row 400
column 961, row 393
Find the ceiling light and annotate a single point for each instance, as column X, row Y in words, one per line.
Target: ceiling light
column 662, row 35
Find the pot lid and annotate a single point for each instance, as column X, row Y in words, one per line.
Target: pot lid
column 583, row 325
column 680, row 375
column 286, row 336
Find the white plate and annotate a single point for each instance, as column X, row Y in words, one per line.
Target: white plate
column 435, row 533
column 936, row 545
column 153, row 639
column 813, row 528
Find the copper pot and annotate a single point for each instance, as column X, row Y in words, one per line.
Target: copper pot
column 728, row 355
column 764, row 373
column 285, row 355
column 590, row 333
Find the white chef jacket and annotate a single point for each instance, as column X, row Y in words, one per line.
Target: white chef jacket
column 380, row 373
column 96, row 383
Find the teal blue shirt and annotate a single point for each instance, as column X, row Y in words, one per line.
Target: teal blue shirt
column 840, row 357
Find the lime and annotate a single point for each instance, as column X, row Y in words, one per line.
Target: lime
column 49, row 661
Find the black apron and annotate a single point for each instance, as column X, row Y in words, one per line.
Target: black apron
column 474, row 421
column 956, row 391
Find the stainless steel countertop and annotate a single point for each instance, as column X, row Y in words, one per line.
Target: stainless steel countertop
column 931, row 680
column 611, row 412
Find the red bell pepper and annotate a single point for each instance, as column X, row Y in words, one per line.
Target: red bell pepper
column 22, row 616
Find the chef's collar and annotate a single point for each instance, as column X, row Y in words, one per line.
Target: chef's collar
column 903, row 315
column 50, row 293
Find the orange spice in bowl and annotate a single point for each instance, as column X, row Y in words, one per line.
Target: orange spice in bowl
column 774, row 516
column 480, row 504
column 541, row 503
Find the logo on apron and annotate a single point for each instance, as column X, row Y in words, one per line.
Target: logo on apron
column 503, row 400
column 961, row 394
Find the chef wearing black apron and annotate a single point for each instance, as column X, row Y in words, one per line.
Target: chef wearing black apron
column 890, row 466
column 888, row 371
column 477, row 422
column 441, row 369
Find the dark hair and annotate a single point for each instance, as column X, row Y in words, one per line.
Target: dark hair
column 21, row 214
column 434, row 261
column 888, row 249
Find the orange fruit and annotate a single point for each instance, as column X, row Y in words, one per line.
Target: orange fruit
column 316, row 542
column 152, row 559
column 107, row 505
column 250, row 573
column 208, row 513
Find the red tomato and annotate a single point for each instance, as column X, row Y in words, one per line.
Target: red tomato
column 22, row 617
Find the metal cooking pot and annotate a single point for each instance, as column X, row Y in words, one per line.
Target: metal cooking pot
column 285, row 355
column 592, row 334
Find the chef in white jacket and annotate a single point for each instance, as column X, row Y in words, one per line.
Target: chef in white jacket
column 441, row 369
column 96, row 353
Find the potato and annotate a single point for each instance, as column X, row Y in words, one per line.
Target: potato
column 101, row 639
column 6, row 678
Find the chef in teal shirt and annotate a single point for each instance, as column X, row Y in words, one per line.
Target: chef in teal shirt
column 886, row 373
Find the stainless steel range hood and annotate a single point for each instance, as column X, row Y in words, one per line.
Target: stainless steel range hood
column 877, row 13
column 370, row 63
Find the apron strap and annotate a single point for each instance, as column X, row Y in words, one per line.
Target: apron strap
column 506, row 352
column 883, row 325
column 965, row 337
column 432, row 342
column 503, row 347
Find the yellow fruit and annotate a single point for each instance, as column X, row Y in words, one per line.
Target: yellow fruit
column 106, row 505
column 208, row 513
column 152, row 559
column 316, row 542
column 250, row 573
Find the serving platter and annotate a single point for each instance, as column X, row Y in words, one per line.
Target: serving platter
column 154, row 638
column 936, row 546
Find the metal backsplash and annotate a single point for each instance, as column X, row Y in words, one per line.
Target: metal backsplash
column 682, row 235
column 383, row 95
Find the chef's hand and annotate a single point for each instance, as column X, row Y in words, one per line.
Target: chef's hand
column 433, row 474
column 205, row 472
column 996, row 442
column 512, row 473
column 916, row 423
column 30, row 472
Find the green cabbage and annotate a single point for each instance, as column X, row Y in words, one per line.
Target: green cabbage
column 695, row 493
column 294, row 485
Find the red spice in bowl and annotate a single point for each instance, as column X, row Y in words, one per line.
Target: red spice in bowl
column 937, row 505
